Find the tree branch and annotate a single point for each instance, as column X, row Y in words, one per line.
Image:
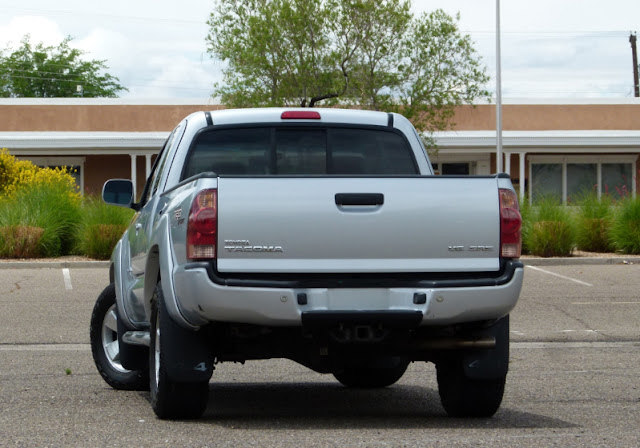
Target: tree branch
column 327, row 96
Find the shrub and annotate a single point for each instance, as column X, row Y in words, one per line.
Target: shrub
column 593, row 224
column 100, row 239
column 11, row 171
column 30, row 198
column 49, row 207
column 101, row 227
column 551, row 239
column 549, row 231
column 526, row 213
column 20, row 241
column 625, row 230
column 16, row 175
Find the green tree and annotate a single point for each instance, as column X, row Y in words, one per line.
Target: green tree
column 53, row 71
column 374, row 54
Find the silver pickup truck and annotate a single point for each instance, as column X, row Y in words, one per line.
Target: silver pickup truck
column 316, row 235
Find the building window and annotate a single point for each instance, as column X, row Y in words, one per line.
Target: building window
column 582, row 179
column 452, row 168
column 547, row 180
column 570, row 177
column 617, row 179
column 460, row 164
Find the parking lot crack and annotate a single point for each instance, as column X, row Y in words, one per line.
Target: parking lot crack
column 581, row 321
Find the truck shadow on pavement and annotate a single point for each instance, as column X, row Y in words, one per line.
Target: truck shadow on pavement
column 330, row 406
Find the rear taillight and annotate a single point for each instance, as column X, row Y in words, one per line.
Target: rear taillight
column 202, row 228
column 510, row 224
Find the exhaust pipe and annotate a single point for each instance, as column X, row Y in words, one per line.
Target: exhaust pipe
column 456, row 344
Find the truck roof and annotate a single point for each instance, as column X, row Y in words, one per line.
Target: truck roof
column 275, row 115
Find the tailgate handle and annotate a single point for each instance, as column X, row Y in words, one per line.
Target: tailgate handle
column 359, row 199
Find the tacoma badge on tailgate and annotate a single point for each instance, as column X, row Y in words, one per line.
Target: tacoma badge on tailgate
column 246, row 246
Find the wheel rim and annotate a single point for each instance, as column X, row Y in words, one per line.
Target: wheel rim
column 110, row 339
column 156, row 352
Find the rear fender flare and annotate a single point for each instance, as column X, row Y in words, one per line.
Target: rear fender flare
column 151, row 277
column 117, row 278
column 160, row 267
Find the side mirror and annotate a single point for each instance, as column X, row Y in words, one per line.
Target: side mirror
column 118, row 192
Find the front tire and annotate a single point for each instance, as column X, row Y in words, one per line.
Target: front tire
column 170, row 399
column 373, row 373
column 105, row 348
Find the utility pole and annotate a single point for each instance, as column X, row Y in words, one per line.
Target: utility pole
column 634, row 53
column 498, row 94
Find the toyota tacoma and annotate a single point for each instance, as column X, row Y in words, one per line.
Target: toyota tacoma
column 317, row 235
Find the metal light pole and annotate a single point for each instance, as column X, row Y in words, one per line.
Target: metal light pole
column 634, row 53
column 498, row 94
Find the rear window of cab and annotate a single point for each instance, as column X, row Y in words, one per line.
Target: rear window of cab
column 291, row 150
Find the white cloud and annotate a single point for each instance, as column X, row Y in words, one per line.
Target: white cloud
column 176, row 76
column 118, row 50
column 157, row 48
column 551, row 47
column 41, row 29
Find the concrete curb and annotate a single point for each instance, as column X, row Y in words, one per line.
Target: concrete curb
column 54, row 264
column 568, row 261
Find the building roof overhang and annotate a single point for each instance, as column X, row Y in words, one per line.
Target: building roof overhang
column 85, row 143
column 71, row 143
column 583, row 141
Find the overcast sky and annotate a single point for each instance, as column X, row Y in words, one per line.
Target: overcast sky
column 550, row 48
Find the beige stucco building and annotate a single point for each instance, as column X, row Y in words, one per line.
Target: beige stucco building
column 550, row 146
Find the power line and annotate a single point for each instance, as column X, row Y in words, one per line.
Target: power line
column 140, row 83
column 171, row 20
column 191, row 22
column 562, row 33
column 30, row 71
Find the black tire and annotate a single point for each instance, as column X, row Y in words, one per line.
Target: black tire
column 373, row 373
column 106, row 349
column 467, row 397
column 170, row 399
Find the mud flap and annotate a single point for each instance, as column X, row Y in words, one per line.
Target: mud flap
column 493, row 363
column 188, row 357
column 132, row 357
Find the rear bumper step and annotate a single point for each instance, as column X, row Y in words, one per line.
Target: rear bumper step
column 137, row 338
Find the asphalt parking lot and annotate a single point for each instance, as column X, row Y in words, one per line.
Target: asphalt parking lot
column 573, row 377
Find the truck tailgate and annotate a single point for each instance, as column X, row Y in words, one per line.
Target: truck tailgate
column 357, row 224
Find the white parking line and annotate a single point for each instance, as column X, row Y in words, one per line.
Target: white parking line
column 563, row 344
column 66, row 275
column 605, row 303
column 44, row 347
column 580, row 282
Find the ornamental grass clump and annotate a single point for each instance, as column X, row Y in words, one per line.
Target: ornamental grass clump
column 550, row 231
column 20, row 241
column 593, row 224
column 525, row 212
column 101, row 227
column 49, row 207
column 39, row 209
column 625, row 230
